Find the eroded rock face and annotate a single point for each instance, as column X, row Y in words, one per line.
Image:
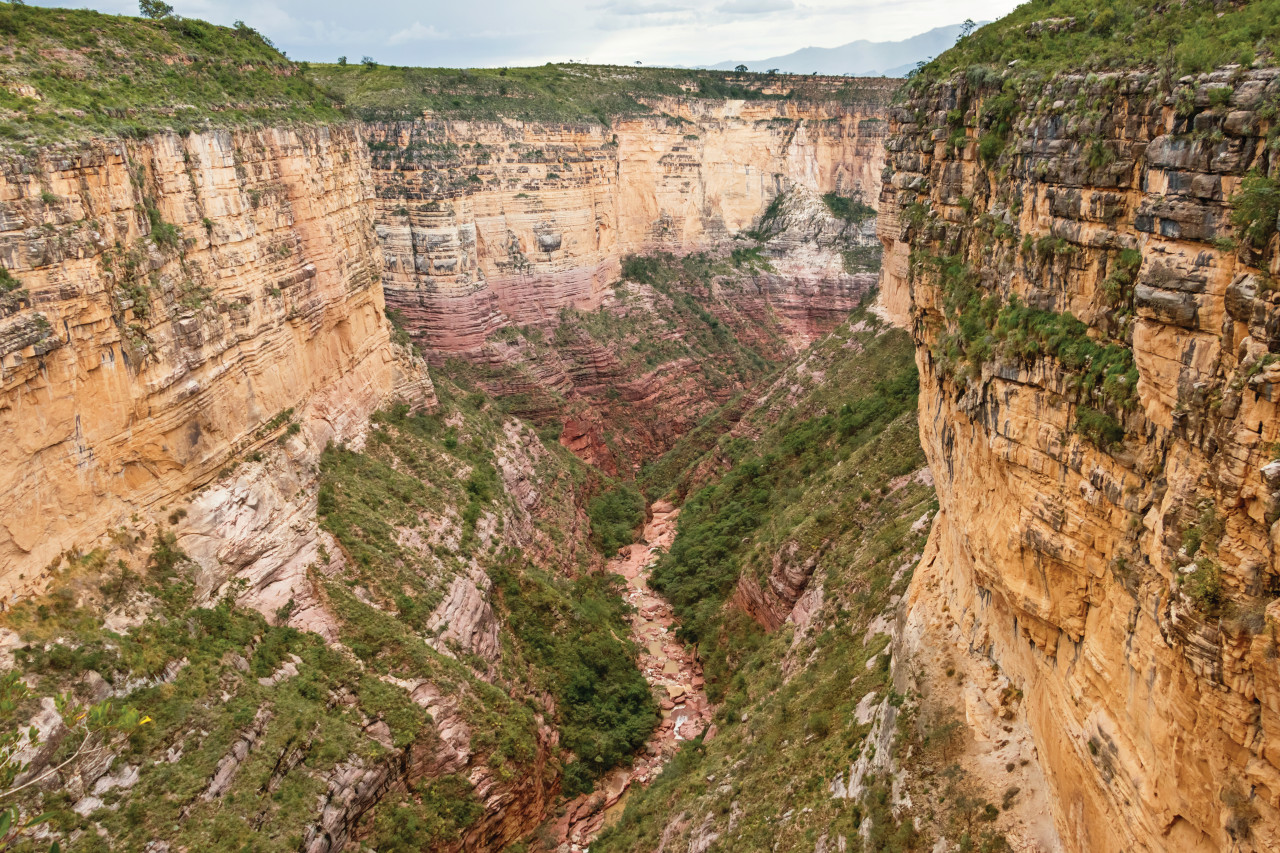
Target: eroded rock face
column 177, row 295
column 1120, row 571
column 491, row 224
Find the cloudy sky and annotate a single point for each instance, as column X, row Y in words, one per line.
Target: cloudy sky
column 474, row 33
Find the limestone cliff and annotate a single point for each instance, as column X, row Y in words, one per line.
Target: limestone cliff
column 169, row 304
column 1086, row 265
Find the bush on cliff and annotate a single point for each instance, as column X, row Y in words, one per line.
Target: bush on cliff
column 1256, row 209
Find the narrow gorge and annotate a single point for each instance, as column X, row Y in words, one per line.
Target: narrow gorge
column 599, row 458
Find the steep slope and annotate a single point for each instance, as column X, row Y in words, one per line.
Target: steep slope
column 166, row 300
column 794, row 550
column 1086, row 261
column 441, row 663
column 510, row 198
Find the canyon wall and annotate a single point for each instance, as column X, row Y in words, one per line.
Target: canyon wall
column 1088, row 267
column 487, row 224
column 172, row 303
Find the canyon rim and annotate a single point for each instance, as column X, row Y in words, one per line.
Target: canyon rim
column 585, row 457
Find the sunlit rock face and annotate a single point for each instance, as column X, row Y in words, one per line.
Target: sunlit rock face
column 1110, row 546
column 486, row 224
column 175, row 297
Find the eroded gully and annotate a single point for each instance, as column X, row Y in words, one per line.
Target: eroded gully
column 672, row 671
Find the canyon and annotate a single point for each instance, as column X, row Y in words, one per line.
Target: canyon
column 623, row 459
column 491, row 230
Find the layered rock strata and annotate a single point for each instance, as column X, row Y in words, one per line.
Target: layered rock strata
column 1109, row 496
column 171, row 303
column 491, row 224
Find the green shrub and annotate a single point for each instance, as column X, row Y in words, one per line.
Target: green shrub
column 575, row 634
column 1117, row 287
column 1203, row 585
column 616, row 516
column 435, row 813
column 1255, row 209
column 850, row 209
column 1100, row 428
column 1104, row 372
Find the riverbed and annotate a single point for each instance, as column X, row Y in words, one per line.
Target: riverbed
column 673, row 672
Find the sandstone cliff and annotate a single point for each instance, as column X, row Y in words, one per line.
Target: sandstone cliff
column 1097, row 348
column 496, row 232
column 487, row 224
column 172, row 303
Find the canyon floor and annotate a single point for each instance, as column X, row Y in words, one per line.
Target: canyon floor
column 670, row 667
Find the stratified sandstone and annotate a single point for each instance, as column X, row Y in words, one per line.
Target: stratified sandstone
column 498, row 223
column 183, row 299
column 1126, row 584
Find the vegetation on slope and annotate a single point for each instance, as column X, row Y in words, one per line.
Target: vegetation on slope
column 423, row 503
column 1047, row 36
column 565, row 92
column 851, row 209
column 575, row 636
column 828, row 476
column 194, row 670
column 693, row 329
column 561, row 635
column 735, row 524
column 69, row 74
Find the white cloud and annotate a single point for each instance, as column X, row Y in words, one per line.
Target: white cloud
column 755, row 7
column 416, row 32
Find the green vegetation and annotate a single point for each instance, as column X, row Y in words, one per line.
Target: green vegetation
column 12, row 294
column 567, row 92
column 421, row 505
column 436, row 812
column 1046, row 36
column 1101, row 374
column 74, row 73
column 575, row 635
column 850, row 209
column 1203, row 585
column 825, row 483
column 615, row 516
column 1256, row 209
column 862, row 258
column 171, row 663
column 1097, row 371
column 1117, row 287
column 1104, row 431
column 715, row 541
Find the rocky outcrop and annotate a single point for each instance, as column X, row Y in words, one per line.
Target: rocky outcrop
column 179, row 301
column 488, row 224
column 772, row 603
column 1108, row 527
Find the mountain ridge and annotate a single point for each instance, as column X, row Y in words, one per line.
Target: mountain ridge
column 861, row 58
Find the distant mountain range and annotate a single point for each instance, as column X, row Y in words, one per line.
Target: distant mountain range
column 858, row 58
